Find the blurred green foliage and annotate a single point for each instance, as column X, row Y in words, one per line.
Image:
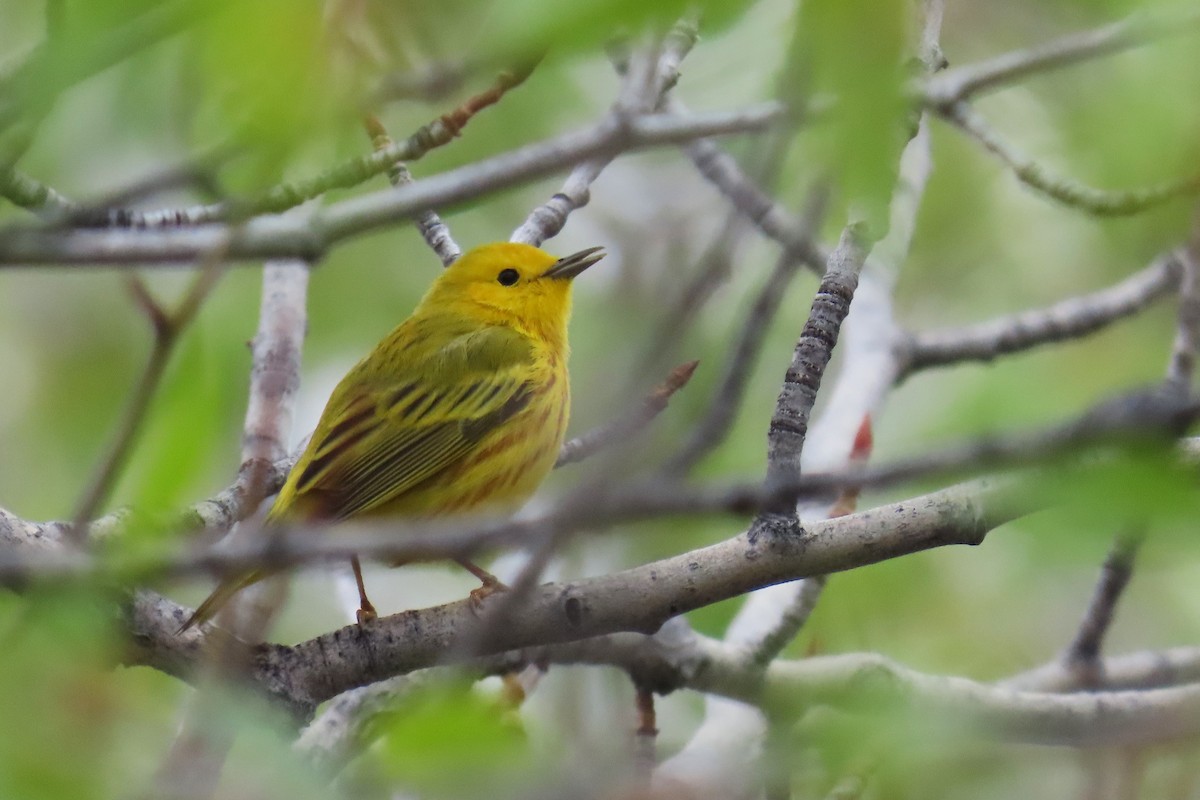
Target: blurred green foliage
column 282, row 83
column 423, row 739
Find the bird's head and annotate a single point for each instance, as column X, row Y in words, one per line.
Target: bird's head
column 515, row 284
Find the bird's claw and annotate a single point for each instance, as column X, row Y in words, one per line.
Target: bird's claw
column 484, row 591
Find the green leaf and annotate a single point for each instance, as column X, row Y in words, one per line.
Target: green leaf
column 449, row 742
column 856, row 54
column 527, row 26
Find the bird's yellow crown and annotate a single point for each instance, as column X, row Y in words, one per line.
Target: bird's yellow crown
column 511, row 284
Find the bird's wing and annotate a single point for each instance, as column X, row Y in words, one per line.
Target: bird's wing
column 386, row 436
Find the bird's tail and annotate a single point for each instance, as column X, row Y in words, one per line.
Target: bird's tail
column 224, row 592
column 227, row 588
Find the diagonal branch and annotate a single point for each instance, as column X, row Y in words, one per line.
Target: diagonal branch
column 1073, row 318
column 1181, row 368
column 1082, row 655
column 1072, row 193
column 962, row 83
column 638, row 599
column 814, row 349
column 433, row 229
column 710, row 432
column 306, row 237
column 653, row 404
column 168, row 327
column 648, row 76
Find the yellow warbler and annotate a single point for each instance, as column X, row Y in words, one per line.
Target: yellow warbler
column 462, row 407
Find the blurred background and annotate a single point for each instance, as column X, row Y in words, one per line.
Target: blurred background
column 244, row 95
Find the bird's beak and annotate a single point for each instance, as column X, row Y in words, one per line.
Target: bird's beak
column 572, row 265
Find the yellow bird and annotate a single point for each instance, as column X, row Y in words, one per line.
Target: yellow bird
column 463, row 407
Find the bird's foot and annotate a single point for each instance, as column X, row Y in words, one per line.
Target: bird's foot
column 489, row 587
column 366, row 614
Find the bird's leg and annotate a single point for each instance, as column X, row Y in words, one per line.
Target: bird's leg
column 366, row 611
column 491, row 584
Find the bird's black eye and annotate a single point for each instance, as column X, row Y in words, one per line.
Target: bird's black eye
column 508, row 277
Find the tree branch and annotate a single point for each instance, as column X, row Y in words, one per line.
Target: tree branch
column 168, row 326
column 307, row 237
column 589, row 443
column 1065, row 190
column 962, row 83
column 1083, row 654
column 710, row 432
column 814, row 349
column 638, row 599
column 648, row 77
column 1072, row 318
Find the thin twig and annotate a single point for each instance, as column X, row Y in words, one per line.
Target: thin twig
column 192, row 767
column 1070, row 319
column 654, row 403
column 813, row 351
column 168, row 326
column 710, row 432
column 1182, row 366
column 1072, row 193
column 1082, row 656
column 715, row 265
column 278, row 199
column 775, row 222
column 307, row 237
column 274, row 375
column 434, row 231
column 648, row 76
column 961, row 83
column 645, row 755
column 807, row 595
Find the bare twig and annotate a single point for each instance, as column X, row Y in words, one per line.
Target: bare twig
column 333, row 738
column 648, row 76
column 871, row 684
column 961, row 83
column 387, row 157
column 645, row 755
column 1065, row 190
column 434, row 231
column 794, row 233
column 167, row 329
column 193, row 764
column 1072, row 318
column 653, row 404
column 804, row 600
column 1182, row 366
column 710, row 432
column 307, row 237
column 1083, row 654
column 789, row 423
column 1142, row 670
column 275, row 374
